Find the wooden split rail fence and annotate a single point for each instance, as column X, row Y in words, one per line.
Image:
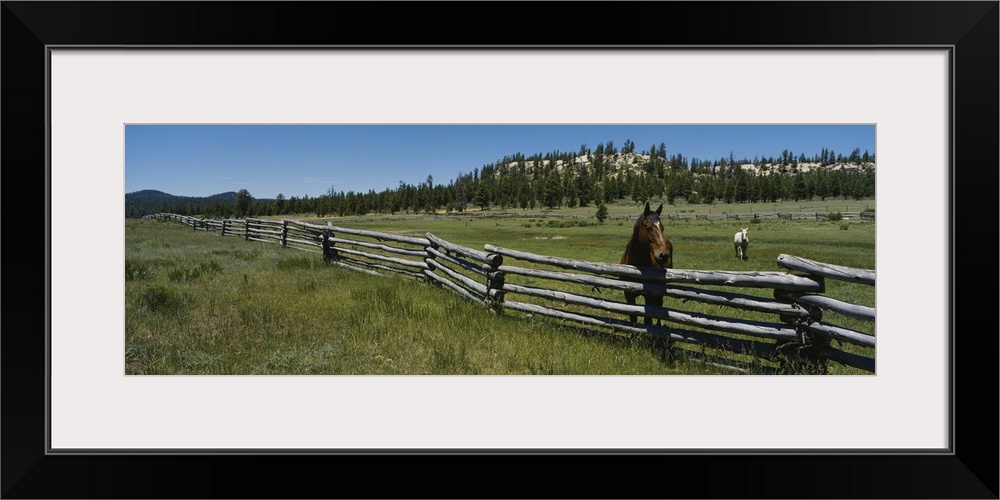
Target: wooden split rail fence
column 775, row 216
column 798, row 337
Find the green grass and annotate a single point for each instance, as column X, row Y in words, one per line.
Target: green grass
column 265, row 310
column 199, row 303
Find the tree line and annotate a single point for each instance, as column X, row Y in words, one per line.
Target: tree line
column 585, row 178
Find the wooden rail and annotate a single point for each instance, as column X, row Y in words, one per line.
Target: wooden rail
column 797, row 335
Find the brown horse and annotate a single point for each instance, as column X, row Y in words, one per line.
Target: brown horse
column 648, row 248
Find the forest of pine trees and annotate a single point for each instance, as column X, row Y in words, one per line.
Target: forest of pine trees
column 583, row 178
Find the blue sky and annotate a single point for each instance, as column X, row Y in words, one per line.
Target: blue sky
column 299, row 160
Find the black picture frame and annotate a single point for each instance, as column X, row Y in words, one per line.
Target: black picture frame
column 970, row 471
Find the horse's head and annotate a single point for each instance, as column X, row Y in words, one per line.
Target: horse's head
column 745, row 237
column 649, row 231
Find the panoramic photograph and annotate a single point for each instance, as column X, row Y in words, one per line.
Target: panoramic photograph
column 500, row 249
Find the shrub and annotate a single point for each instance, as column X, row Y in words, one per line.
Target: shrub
column 602, row 213
column 834, row 216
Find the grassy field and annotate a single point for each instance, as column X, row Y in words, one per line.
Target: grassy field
column 198, row 303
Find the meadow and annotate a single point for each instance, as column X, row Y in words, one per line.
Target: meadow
column 199, row 303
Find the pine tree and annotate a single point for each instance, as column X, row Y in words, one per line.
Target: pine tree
column 552, row 194
column 602, row 213
column 482, row 197
column 243, row 203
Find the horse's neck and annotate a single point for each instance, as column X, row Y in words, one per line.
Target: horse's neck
column 634, row 249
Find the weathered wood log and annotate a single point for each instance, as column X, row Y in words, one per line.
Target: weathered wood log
column 843, row 273
column 401, row 262
column 306, row 233
column 379, row 246
column 740, row 301
column 475, row 286
column 464, row 264
column 276, row 234
column 264, row 230
column 496, row 279
column 739, row 327
column 264, row 240
column 359, row 269
column 846, row 358
column 420, row 242
column 303, row 233
column 454, row 286
column 265, row 237
column 707, row 339
column 747, row 279
column 853, row 310
column 729, row 299
column 841, row 333
column 329, row 253
column 302, row 230
column 380, row 267
column 477, row 255
column 264, row 223
column 476, row 295
column 304, row 242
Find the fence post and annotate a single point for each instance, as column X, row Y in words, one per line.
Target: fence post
column 802, row 355
column 495, row 280
column 225, row 224
column 284, row 233
column 329, row 253
column 246, row 229
column 431, row 261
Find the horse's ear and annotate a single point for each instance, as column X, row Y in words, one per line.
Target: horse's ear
column 659, row 209
column 646, row 210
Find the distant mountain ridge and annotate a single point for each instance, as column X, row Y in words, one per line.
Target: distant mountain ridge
column 155, row 194
column 151, row 201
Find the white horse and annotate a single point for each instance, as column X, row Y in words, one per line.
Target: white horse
column 741, row 241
